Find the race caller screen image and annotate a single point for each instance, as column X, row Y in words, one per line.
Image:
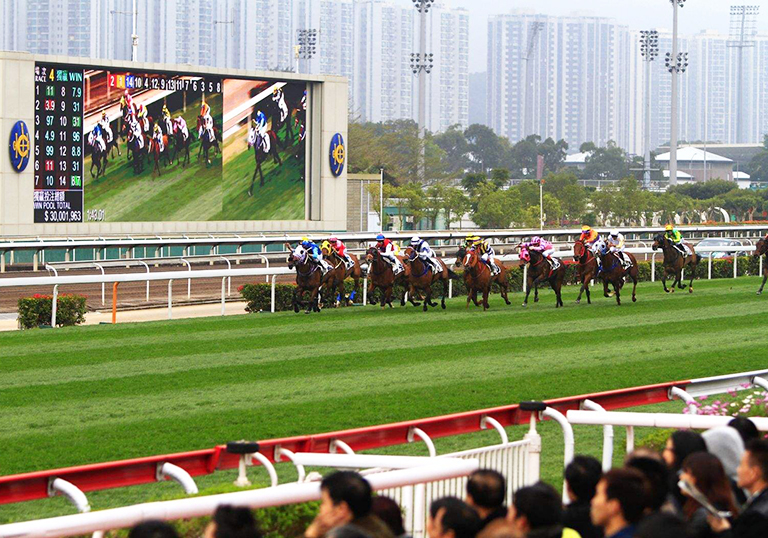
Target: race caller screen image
column 58, row 143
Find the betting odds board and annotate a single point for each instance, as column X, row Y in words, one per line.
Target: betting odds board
column 58, row 144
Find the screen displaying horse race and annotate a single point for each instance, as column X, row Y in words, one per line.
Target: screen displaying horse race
column 127, row 146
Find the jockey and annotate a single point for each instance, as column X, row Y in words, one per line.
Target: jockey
column 259, row 130
column 141, row 115
column 279, row 98
column 303, row 107
column 426, row 254
column 388, row 251
column 341, row 250
column 167, row 121
column 207, row 124
column 136, row 133
column 315, row 254
column 588, row 235
column 126, row 101
column 105, row 127
column 166, row 113
column 676, row 238
column 546, row 248
column 615, row 243
column 179, row 124
column 96, row 138
column 487, row 254
column 157, row 136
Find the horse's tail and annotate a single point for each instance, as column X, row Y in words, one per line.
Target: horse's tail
column 453, row 275
column 698, row 259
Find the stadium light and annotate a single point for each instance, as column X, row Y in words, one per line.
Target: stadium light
column 649, row 49
column 742, row 36
column 673, row 62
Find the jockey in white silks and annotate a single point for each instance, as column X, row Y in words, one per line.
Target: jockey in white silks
column 207, row 125
column 96, row 139
column 279, row 98
column 179, row 124
column 167, row 121
column 259, row 131
column 136, row 133
column 425, row 253
column 104, row 124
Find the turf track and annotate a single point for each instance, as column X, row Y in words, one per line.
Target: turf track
column 88, row 394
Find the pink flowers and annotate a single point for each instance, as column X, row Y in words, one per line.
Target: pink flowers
column 743, row 402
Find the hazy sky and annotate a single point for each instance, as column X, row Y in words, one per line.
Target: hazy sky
column 695, row 16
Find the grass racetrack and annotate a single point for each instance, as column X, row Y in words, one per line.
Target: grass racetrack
column 98, row 393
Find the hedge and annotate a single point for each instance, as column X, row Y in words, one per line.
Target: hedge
column 258, row 295
column 36, row 311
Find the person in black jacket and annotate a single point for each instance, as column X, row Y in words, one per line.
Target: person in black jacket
column 581, row 478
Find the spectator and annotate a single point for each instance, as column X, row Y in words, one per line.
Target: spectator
column 661, row 525
column 620, row 502
column 657, row 479
column 153, row 529
column 726, row 443
column 347, row 531
column 746, row 428
column 346, row 498
column 536, row 511
column 389, row 512
column 232, row 522
column 486, row 494
column 581, row 478
column 680, row 445
column 450, row 517
column 706, row 473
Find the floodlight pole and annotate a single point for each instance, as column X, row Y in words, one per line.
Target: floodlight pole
column 674, row 126
column 649, row 49
column 381, row 200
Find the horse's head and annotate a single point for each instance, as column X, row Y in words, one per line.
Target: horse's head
column 600, row 246
column 579, row 249
column 761, row 247
column 410, row 254
column 658, row 241
column 297, row 256
column 460, row 255
column 525, row 255
column 326, row 248
column 372, row 254
column 471, row 258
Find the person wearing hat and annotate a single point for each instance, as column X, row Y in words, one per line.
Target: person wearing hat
column 341, row 250
column 676, row 238
column 484, row 248
column 588, row 235
column 426, row 254
column 615, row 243
column 315, row 254
column 388, row 251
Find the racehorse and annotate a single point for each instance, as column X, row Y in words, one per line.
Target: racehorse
column 587, row 267
column 280, row 119
column 157, row 153
column 127, row 113
column 477, row 277
column 309, row 279
column 98, row 159
column 381, row 276
column 206, row 143
column 540, row 270
column 341, row 272
column 422, row 276
column 613, row 272
column 181, row 144
column 675, row 262
column 257, row 143
column 760, row 249
column 136, row 152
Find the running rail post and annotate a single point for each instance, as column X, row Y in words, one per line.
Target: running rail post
column 74, row 494
column 365, row 291
column 147, row 268
column 289, row 455
column 607, row 435
column 170, row 298
column 486, row 421
column 421, row 434
column 337, row 444
column 533, row 469
column 760, row 381
column 223, row 289
column 690, row 401
column 54, row 302
column 525, row 278
column 178, row 475
column 653, row 267
column 102, row 284
column 735, row 264
column 114, row 302
column 558, row 417
column 272, row 299
column 709, row 267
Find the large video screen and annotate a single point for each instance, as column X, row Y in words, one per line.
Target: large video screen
column 127, row 146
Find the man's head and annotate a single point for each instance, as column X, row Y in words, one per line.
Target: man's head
column 450, row 517
column 746, row 429
column 486, row 491
column 752, row 472
column 620, row 500
column 153, row 529
column 232, row 522
column 345, row 494
column 534, row 507
column 581, row 477
column 657, row 476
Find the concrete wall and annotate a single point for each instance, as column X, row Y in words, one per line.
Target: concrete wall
column 326, row 197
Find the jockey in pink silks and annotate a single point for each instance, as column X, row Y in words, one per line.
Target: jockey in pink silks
column 545, row 247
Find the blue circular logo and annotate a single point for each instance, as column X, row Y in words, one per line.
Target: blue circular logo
column 337, row 154
column 19, row 146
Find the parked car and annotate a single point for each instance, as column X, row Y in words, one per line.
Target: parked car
column 719, row 242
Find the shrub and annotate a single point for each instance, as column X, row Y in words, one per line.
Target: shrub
column 36, row 311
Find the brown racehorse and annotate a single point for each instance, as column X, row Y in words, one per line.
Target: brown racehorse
column 612, row 272
column 309, row 279
column 540, row 270
column 587, row 267
column 477, row 277
column 422, row 277
column 381, row 276
column 340, row 271
column 675, row 262
column 157, row 154
column 760, row 249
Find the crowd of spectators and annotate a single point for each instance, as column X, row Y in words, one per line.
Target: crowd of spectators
column 713, row 485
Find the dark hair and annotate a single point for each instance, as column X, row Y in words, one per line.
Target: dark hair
column 540, row 504
column 582, row 476
column 629, row 487
column 347, row 531
column 711, row 480
column 758, row 456
column 661, row 525
column 458, row 516
column 351, row 488
column 685, row 443
column 657, row 477
column 153, row 529
column 487, row 488
column 389, row 512
column 746, row 429
column 235, row 522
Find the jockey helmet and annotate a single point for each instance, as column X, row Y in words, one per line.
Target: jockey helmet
column 380, row 237
column 274, row 91
column 669, row 227
column 305, row 242
column 586, row 228
column 415, row 240
column 535, row 239
column 614, row 233
column 333, row 239
column 126, row 93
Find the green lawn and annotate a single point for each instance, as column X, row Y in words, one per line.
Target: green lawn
column 98, row 393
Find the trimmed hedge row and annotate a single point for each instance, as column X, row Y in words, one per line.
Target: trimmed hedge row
column 36, row 311
column 258, row 296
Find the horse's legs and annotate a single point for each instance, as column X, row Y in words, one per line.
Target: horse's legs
column 680, row 283
column 445, row 293
column 295, row 302
column 693, row 275
column 605, row 287
column 536, row 291
column 557, row 287
column 584, row 284
column 664, row 280
column 261, row 173
column 617, row 287
column 469, row 296
column 504, row 291
column 427, row 298
column 529, row 285
column 312, row 303
column 486, row 292
column 633, row 276
column 765, row 277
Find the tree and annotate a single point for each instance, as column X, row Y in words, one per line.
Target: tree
column 758, row 166
column 553, row 153
column 500, row 177
column 740, row 203
column 434, row 203
column 471, row 182
column 587, row 147
column 523, row 157
column 704, row 190
column 485, row 147
column 456, row 150
column 455, row 205
column 496, row 208
column 608, row 163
